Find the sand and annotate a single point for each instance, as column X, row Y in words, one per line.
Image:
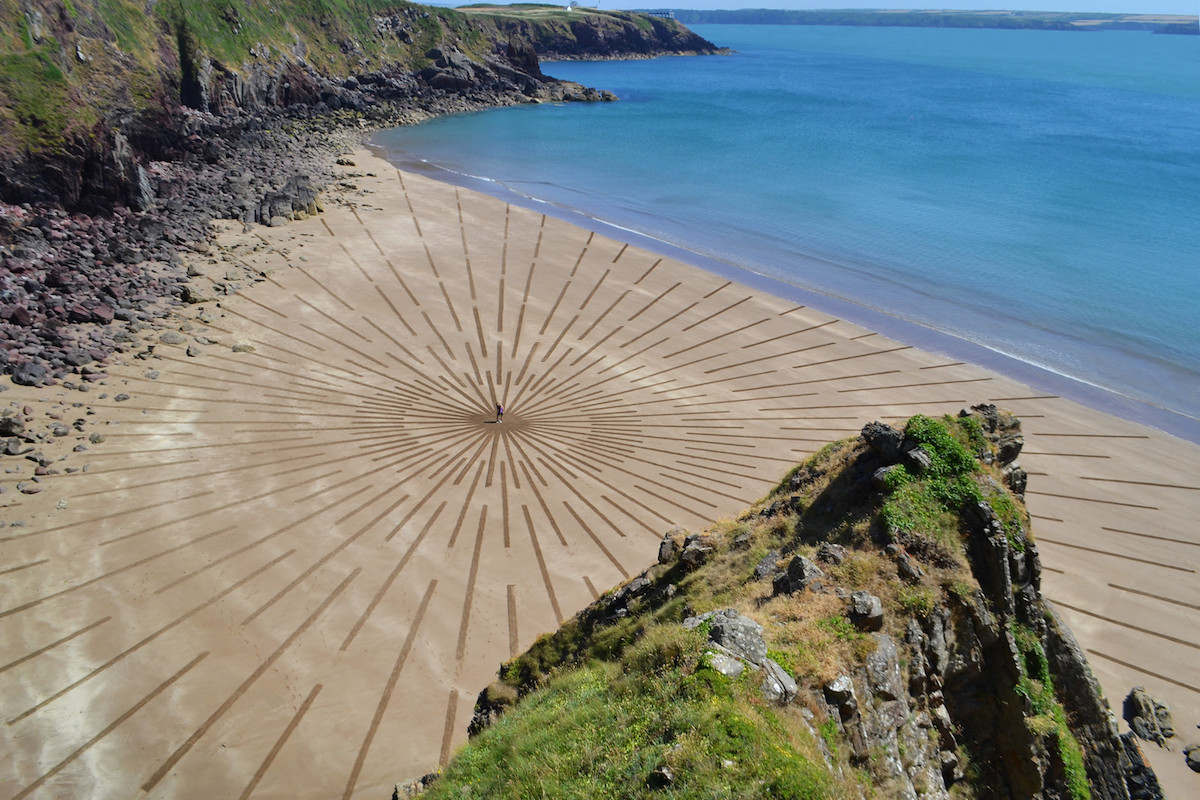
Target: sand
column 288, row 571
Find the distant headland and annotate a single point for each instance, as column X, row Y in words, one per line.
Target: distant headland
column 1014, row 20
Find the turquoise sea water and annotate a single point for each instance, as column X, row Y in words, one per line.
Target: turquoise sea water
column 1036, row 193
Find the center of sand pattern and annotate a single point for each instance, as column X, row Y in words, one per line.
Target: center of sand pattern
column 290, row 570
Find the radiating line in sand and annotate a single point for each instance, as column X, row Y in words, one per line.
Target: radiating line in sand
column 288, row 572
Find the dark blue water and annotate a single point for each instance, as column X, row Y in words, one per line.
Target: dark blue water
column 1037, row 193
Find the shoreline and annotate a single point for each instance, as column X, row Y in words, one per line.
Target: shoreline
column 343, row 543
column 917, row 334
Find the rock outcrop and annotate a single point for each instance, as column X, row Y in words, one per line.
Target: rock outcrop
column 75, row 134
column 589, row 33
column 236, row 115
column 950, row 669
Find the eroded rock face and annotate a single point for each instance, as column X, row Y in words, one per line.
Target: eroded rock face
column 952, row 698
column 963, row 663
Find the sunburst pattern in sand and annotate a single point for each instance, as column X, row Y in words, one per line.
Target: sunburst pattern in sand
column 291, row 569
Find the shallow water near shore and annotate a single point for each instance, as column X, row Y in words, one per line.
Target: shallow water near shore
column 1034, row 193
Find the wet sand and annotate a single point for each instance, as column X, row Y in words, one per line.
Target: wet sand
column 288, row 571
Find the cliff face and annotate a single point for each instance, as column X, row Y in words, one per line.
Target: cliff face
column 873, row 627
column 91, row 90
column 591, row 33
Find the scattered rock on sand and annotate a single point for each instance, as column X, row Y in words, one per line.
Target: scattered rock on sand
column 1149, row 717
column 29, row 374
column 1191, row 755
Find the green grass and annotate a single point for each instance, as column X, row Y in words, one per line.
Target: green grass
column 929, row 505
column 786, row 660
column 335, row 33
column 36, row 94
column 602, row 729
column 841, row 628
column 135, row 31
column 601, row 706
column 1049, row 720
column 916, row 600
column 829, row 733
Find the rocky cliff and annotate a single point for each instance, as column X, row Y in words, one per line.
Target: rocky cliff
column 874, row 627
column 93, row 90
column 125, row 127
column 590, row 33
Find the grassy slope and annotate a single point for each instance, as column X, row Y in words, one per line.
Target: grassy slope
column 73, row 63
column 655, row 706
column 86, row 60
column 606, row 705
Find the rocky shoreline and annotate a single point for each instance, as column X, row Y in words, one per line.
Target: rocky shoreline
column 77, row 287
column 93, row 229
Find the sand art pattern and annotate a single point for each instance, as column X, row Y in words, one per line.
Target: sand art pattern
column 289, row 569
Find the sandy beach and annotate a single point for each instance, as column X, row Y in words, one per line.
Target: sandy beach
column 299, row 552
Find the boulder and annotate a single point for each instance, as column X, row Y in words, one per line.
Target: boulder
column 801, row 574
column 906, row 569
column 1009, row 447
column 884, row 440
column 740, row 636
column 917, row 460
column 988, row 414
column 77, row 358
column 1016, row 478
column 778, row 688
column 830, row 553
column 725, row 664
column 29, row 374
column 696, row 550
column 1149, row 717
column 839, row 693
column 767, row 566
column 866, row 611
column 671, row 546
column 415, row 787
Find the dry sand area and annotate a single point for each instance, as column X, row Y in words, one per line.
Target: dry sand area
column 287, row 573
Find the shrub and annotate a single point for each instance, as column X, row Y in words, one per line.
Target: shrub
column 916, row 600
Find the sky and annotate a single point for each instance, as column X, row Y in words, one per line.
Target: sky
column 1102, row 6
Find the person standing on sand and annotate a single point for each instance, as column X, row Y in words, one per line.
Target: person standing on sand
column 499, row 413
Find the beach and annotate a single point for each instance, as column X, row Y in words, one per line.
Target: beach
column 304, row 542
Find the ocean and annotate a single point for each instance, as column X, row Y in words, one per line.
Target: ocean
column 1032, row 196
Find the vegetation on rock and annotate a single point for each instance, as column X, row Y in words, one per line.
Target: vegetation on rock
column 87, row 84
column 892, row 581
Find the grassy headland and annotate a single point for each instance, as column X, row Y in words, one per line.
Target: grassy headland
column 1009, row 20
column 626, row 700
column 74, row 72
